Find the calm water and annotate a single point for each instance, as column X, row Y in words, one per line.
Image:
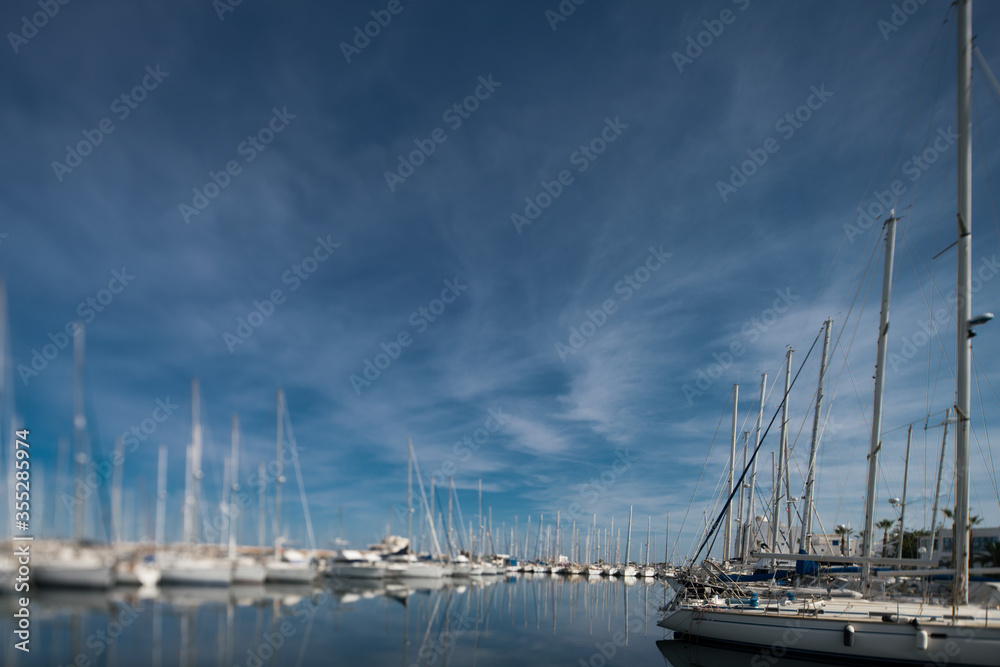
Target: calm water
column 531, row 619
column 527, row 620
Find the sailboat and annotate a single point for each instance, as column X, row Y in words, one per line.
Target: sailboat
column 186, row 567
column 867, row 630
column 628, row 570
column 408, row 565
column 76, row 564
column 289, row 566
column 246, row 569
column 647, row 572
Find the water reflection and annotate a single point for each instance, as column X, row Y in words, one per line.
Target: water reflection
column 556, row 620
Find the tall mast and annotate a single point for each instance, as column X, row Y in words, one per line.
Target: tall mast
column 195, row 458
column 902, row 507
column 234, row 483
column 611, row 534
column 161, row 495
column 649, row 527
column 727, row 540
column 409, row 497
column 805, row 540
column 666, row 543
column 963, row 359
column 116, row 492
column 748, row 530
column 937, row 489
column 278, row 478
column 782, row 456
column 451, row 491
column 555, row 542
column 79, row 424
column 527, row 535
column 261, row 528
column 876, row 439
column 628, row 537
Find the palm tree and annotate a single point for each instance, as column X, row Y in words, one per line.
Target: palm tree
column 885, row 525
column 845, row 534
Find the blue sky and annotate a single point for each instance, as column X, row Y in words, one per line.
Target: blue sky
column 519, row 178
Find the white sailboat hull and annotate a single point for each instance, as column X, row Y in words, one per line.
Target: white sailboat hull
column 358, row 570
column 289, row 573
column 828, row 636
column 196, row 572
column 248, row 572
column 416, row 570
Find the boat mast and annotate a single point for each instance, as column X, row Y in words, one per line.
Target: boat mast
column 902, row 505
column 260, row 505
column 649, row 527
column 195, row 458
column 876, row 435
column 79, row 424
column 116, row 492
column 278, row 478
column 409, row 497
column 805, row 540
column 628, row 538
column 963, row 360
column 451, row 491
column 749, row 530
column 937, row 489
column 161, row 495
column 732, row 477
column 666, row 541
column 234, row 476
column 782, row 456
